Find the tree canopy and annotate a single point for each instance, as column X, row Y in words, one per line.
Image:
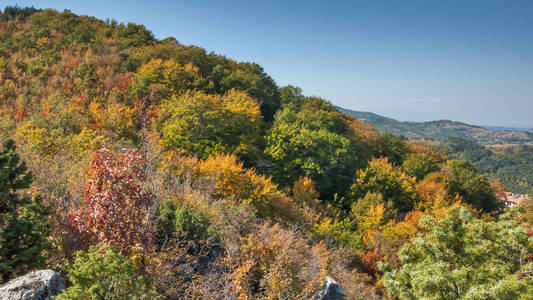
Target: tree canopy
column 143, row 167
column 462, row 257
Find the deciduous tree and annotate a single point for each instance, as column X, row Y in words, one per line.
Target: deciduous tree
column 472, row 185
column 314, row 141
column 116, row 206
column 383, row 177
column 200, row 124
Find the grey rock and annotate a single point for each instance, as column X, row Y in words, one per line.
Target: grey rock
column 331, row 290
column 38, row 285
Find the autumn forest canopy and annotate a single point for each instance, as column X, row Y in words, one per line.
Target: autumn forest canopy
column 141, row 168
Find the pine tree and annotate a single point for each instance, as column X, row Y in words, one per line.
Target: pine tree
column 23, row 226
column 104, row 273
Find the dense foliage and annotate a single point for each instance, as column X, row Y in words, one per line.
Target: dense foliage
column 209, row 125
column 115, row 206
column 511, row 165
column 103, row 273
column 161, row 169
column 23, row 224
column 383, row 177
column 316, row 141
column 461, row 257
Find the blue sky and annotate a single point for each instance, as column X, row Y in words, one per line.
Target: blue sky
column 468, row 60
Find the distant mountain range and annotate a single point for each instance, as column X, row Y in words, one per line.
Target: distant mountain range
column 445, row 129
column 528, row 129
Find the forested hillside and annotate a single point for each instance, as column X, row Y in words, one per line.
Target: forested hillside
column 506, row 156
column 512, row 166
column 444, row 129
column 141, row 168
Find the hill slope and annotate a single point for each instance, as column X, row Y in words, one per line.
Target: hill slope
column 511, row 165
column 443, row 130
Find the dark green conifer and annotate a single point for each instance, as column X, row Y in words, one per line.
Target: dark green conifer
column 23, row 224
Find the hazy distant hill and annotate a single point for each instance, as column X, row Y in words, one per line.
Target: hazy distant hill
column 443, row 129
column 528, row 129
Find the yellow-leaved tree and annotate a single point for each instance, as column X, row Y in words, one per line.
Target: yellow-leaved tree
column 199, row 124
column 232, row 180
column 383, row 177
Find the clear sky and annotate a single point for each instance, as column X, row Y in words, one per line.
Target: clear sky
column 465, row 60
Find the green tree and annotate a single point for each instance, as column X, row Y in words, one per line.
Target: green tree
column 291, row 95
column 419, row 165
column 249, row 78
column 314, row 141
column 393, row 147
column 474, row 186
column 103, row 273
column 370, row 200
column 190, row 224
column 16, row 12
column 23, row 223
column 462, row 257
column 383, row 177
column 201, row 124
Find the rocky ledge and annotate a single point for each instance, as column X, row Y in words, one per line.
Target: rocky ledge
column 38, row 285
column 331, row 290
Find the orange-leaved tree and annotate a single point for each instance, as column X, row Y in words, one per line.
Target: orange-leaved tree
column 232, row 180
column 115, row 207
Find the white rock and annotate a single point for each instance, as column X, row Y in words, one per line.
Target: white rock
column 38, row 285
column 331, row 290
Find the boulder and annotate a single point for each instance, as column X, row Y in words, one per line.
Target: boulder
column 38, row 285
column 331, row 290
